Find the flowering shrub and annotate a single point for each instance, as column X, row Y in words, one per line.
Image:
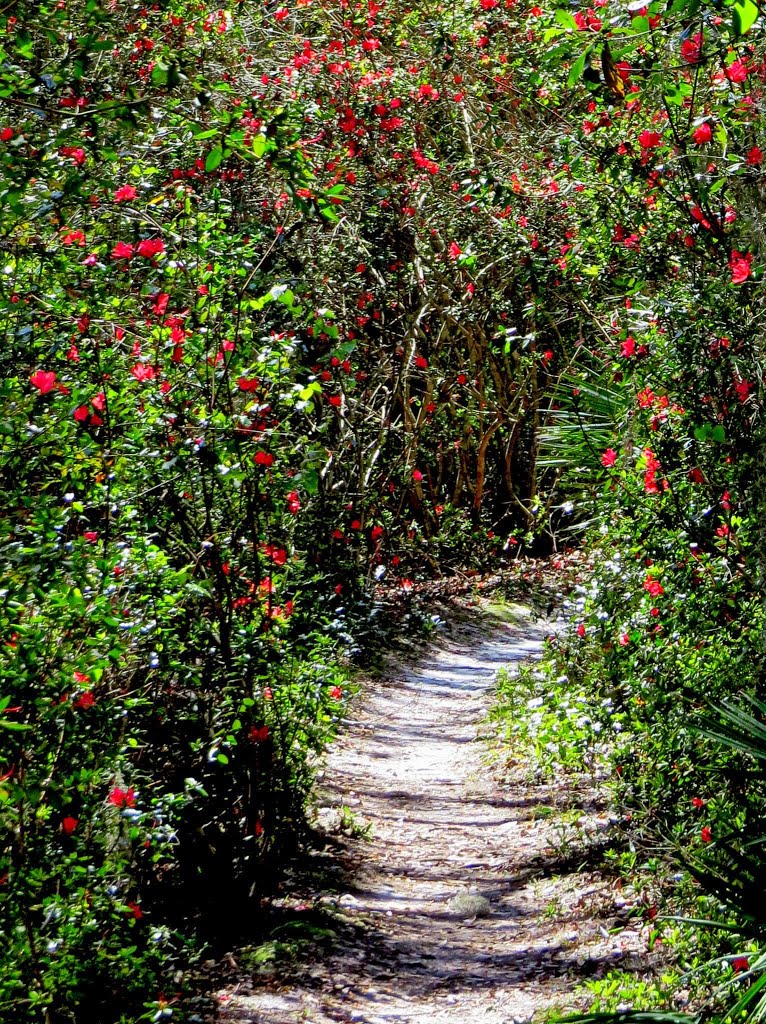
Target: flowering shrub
column 299, row 298
column 660, row 151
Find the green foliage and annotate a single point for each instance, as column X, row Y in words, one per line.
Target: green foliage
column 299, row 299
column 544, row 719
column 620, row 988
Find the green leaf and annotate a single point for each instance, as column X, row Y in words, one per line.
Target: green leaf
column 160, row 73
column 310, row 480
column 308, row 392
column 744, row 16
column 260, row 145
column 327, row 211
column 578, row 67
column 566, row 19
column 257, row 304
column 286, row 296
column 676, row 94
column 214, row 158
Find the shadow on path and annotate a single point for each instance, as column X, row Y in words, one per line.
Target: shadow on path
column 457, row 908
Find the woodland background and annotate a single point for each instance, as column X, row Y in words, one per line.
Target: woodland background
column 304, row 305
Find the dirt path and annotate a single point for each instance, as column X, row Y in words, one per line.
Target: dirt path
column 462, row 905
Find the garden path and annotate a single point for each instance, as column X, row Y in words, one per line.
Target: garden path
column 469, row 899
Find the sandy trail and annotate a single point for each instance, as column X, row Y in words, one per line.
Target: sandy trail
column 463, row 905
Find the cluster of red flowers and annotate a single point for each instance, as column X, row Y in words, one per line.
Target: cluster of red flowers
column 148, row 248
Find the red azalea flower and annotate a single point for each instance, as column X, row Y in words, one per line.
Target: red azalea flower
column 628, row 348
column 68, row 825
column 122, row 251
column 122, row 797
column 703, row 134
column 262, row 458
column 142, row 372
column 72, row 236
column 649, row 139
column 87, row 700
column 706, row 834
column 159, row 306
column 739, row 265
column 336, row 693
column 691, row 49
column 124, row 194
column 276, row 554
column 44, row 381
column 653, row 586
column 737, row 71
column 609, row 457
column 150, row 247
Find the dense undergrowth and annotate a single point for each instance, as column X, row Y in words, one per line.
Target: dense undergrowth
column 301, row 299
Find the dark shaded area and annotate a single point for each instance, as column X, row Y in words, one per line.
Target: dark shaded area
column 326, row 938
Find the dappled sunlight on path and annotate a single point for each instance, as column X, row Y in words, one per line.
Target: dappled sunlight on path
column 454, row 908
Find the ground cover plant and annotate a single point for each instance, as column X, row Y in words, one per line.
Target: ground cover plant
column 302, row 299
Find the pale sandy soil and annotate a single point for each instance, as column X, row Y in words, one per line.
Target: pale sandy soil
column 472, row 899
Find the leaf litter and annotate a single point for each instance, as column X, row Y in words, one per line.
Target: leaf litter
column 447, row 891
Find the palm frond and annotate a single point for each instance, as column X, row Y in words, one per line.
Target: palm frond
column 631, row 1017
column 585, row 415
column 740, row 730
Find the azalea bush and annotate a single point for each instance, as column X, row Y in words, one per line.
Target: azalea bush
column 299, row 299
column 259, row 353
column 662, row 160
column 658, row 430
